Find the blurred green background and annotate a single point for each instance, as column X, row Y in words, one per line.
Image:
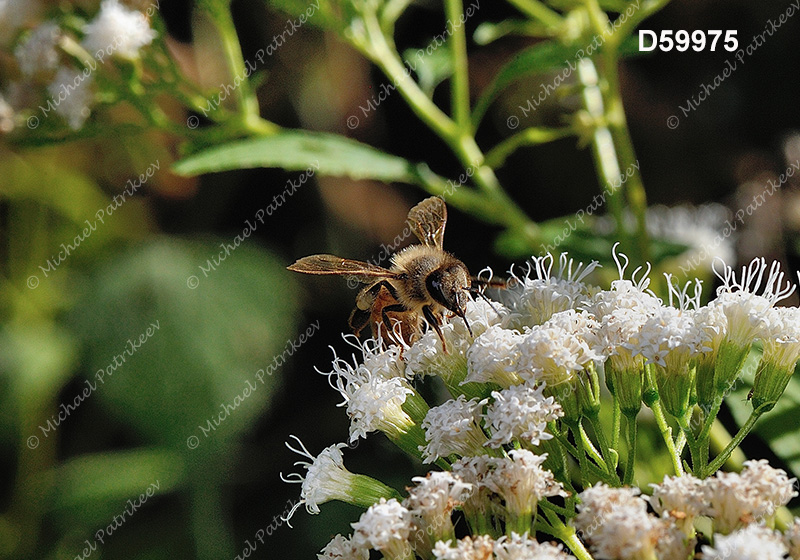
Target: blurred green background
column 135, row 428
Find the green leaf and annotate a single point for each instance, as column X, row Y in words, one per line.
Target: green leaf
column 432, row 69
column 538, row 59
column 327, row 154
column 94, row 487
column 206, row 336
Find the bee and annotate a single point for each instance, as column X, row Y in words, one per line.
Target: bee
column 423, row 283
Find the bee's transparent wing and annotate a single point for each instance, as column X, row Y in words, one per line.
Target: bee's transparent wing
column 331, row 264
column 427, row 220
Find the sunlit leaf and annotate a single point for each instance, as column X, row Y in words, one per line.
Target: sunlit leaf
column 327, row 154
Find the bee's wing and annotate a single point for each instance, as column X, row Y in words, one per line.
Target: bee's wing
column 427, row 220
column 331, row 264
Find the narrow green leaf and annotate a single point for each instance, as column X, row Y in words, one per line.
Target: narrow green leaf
column 327, row 154
column 535, row 60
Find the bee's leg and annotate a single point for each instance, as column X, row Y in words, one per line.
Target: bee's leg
column 433, row 321
column 395, row 307
column 359, row 319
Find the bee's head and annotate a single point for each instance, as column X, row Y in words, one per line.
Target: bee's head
column 449, row 286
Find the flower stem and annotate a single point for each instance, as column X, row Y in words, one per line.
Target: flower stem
column 734, row 443
column 459, row 87
column 631, row 430
column 568, row 535
column 654, row 403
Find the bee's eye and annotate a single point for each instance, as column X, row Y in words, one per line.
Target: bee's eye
column 434, row 285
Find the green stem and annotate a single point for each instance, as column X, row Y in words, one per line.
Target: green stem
column 630, row 433
column 612, row 138
column 590, row 448
column 610, row 454
column 538, row 11
column 654, row 403
column 245, row 97
column 694, row 450
column 603, row 151
column 703, row 437
column 459, row 90
column 496, row 157
column 734, row 443
column 568, row 536
column 615, row 424
column 461, row 143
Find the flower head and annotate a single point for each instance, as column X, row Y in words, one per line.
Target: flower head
column 385, row 526
column 453, row 427
column 117, row 30
column 681, row 498
column 468, row 548
column 326, row 478
column 533, row 301
column 522, row 547
column 37, row 53
column 615, row 522
column 738, row 499
column 494, row 357
column 520, row 412
column 341, row 548
column 72, row 95
column 374, row 402
column 521, row 481
column 754, row 542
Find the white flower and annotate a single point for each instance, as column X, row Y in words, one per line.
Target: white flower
column 117, row 30
column 521, row 412
column 341, row 548
column 772, row 485
column 494, row 357
column 521, row 481
column 745, row 310
column 373, row 402
column 377, row 358
column 71, row 93
column 385, row 526
column 426, row 356
column 453, row 427
column 782, row 337
column 522, row 547
column 533, row 301
column 37, row 54
column 616, row 524
column 552, row 354
column 669, row 338
column 754, row 542
column 468, row 548
column 739, row 499
column 473, row 470
column 792, row 538
column 703, row 229
column 437, row 494
column 679, row 496
column 326, row 478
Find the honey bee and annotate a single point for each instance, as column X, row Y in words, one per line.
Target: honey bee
column 423, row 283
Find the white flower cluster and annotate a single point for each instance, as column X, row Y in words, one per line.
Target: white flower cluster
column 513, row 384
column 44, row 55
column 616, row 523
